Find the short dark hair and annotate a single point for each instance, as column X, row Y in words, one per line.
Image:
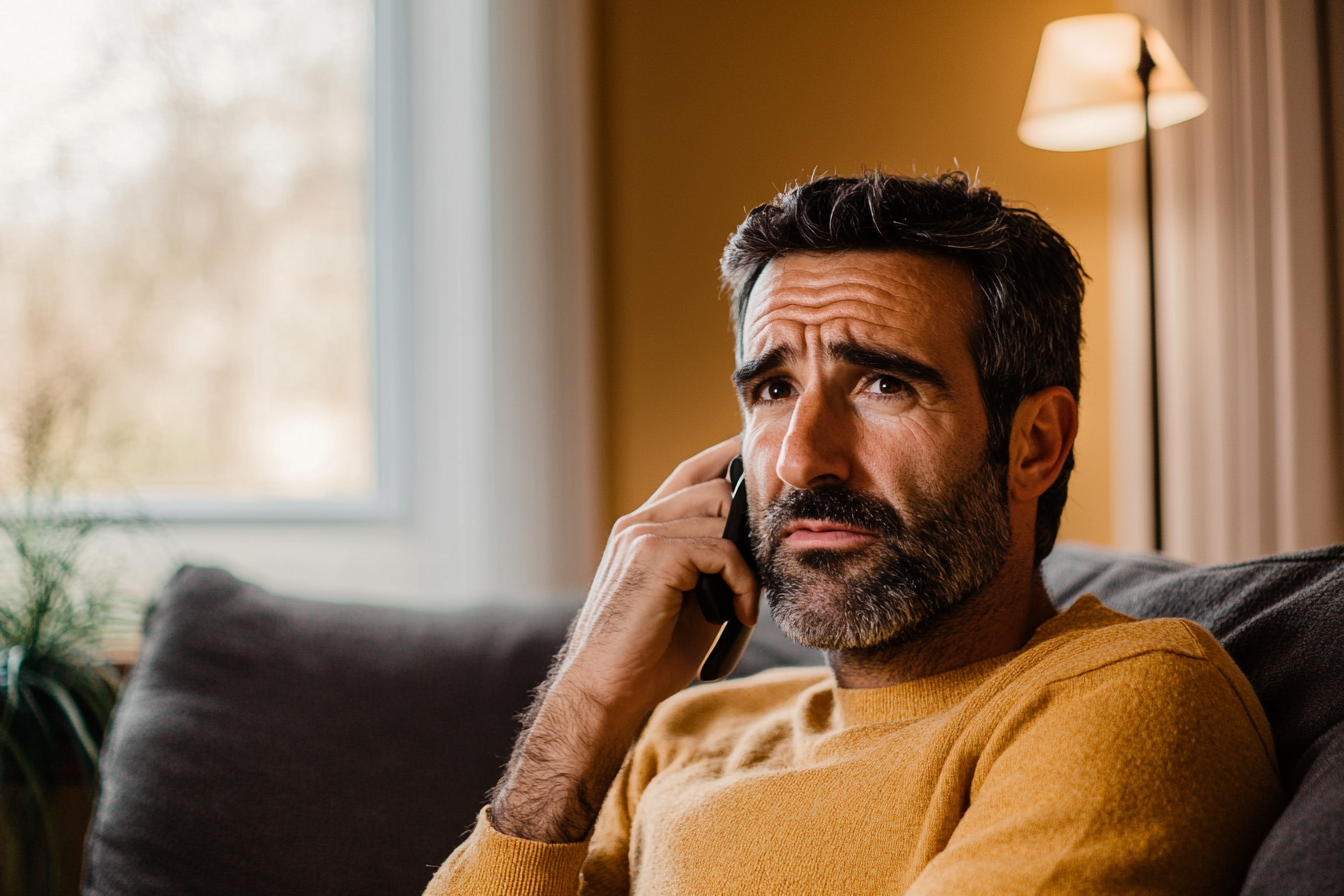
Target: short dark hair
column 1029, row 279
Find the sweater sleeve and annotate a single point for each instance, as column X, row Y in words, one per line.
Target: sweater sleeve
column 489, row 863
column 1150, row 775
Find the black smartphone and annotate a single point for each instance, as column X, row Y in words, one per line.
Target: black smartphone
column 714, row 595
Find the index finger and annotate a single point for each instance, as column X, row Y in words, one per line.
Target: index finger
column 712, row 463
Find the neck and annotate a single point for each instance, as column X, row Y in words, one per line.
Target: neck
column 998, row 619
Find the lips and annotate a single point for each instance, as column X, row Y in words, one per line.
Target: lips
column 807, row 534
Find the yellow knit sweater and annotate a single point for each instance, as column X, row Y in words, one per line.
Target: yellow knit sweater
column 1107, row 756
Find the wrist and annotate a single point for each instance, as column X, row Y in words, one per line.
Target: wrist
column 562, row 767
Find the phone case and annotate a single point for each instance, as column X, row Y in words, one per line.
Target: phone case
column 714, row 595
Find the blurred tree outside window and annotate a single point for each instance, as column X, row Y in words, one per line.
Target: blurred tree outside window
column 185, row 249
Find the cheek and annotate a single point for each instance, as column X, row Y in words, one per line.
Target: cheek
column 906, row 459
column 760, row 452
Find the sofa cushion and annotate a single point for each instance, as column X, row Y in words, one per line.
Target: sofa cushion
column 266, row 745
column 1281, row 618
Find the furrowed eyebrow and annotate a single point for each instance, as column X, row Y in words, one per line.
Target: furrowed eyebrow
column 897, row 364
column 754, row 370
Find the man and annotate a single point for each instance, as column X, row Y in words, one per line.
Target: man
column 908, row 370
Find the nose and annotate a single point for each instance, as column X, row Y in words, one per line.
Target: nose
column 817, row 446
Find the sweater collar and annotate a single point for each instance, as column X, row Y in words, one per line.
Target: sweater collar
column 925, row 696
column 913, row 699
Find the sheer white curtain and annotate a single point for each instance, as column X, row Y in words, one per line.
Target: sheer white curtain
column 1247, row 317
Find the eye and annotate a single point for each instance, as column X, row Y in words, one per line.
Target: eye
column 776, row 390
column 888, row 385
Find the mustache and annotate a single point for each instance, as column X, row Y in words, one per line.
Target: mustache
column 832, row 504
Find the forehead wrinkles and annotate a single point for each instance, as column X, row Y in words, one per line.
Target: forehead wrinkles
column 830, row 323
column 853, row 305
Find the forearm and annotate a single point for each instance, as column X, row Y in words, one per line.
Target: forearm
column 562, row 766
column 637, row 640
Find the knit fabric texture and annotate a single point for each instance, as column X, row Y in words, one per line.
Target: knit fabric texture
column 1109, row 755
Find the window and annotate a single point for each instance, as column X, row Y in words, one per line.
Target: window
column 388, row 393
column 185, row 251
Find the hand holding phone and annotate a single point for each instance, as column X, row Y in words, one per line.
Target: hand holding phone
column 635, row 643
column 714, row 595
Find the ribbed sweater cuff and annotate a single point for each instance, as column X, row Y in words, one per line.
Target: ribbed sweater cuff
column 491, row 862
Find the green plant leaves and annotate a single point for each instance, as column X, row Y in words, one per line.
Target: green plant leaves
column 19, row 806
column 71, row 715
column 58, row 696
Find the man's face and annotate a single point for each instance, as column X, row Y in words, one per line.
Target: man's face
column 873, row 501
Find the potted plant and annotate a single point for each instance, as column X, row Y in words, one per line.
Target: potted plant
column 56, row 697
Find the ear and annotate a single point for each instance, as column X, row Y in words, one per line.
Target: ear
column 1044, row 428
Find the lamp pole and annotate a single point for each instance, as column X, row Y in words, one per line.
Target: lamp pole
column 1146, row 66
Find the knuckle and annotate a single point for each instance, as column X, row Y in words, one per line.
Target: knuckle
column 645, row 541
column 639, row 530
column 625, row 522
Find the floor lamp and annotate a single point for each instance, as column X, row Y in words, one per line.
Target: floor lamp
column 1101, row 81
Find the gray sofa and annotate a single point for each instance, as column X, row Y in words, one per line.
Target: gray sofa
column 266, row 745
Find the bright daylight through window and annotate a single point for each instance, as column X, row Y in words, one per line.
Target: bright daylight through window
column 184, row 249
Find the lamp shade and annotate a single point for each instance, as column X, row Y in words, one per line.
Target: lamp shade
column 1085, row 90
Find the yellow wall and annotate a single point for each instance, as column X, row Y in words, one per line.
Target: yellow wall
column 709, row 107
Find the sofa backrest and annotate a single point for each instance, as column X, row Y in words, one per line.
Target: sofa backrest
column 1281, row 618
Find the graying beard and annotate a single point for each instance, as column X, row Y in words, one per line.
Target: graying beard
column 946, row 551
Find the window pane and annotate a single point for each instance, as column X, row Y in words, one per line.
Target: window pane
column 184, row 301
